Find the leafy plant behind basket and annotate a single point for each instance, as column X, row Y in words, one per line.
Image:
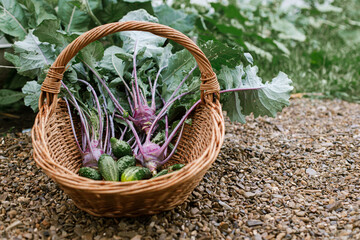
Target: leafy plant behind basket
column 43, row 37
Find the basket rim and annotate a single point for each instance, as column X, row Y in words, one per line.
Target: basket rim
column 74, row 181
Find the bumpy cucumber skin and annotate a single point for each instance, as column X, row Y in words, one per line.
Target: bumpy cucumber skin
column 90, row 173
column 120, row 148
column 124, row 163
column 135, row 173
column 108, row 168
column 176, row 167
column 162, row 172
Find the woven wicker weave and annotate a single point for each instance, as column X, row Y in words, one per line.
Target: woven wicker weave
column 56, row 152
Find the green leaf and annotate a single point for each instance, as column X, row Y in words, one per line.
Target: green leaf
column 12, row 18
column 287, row 29
column 177, row 19
column 150, row 42
column 92, row 53
column 351, row 37
column 179, row 66
column 9, row 96
column 327, row 7
column 32, row 92
column 267, row 101
column 220, row 54
column 47, row 31
column 268, row 56
column 39, row 11
column 136, row 1
column 31, row 56
column 72, row 18
column 111, row 62
column 114, row 10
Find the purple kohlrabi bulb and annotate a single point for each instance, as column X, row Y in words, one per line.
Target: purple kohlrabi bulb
column 144, row 117
column 151, row 156
column 90, row 159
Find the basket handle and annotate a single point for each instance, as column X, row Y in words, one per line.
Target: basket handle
column 52, row 83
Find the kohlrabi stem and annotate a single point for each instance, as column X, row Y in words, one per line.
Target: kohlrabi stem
column 160, row 114
column 181, row 83
column 172, row 135
column 150, row 84
column 129, row 101
column 239, row 89
column 174, row 149
column 118, row 73
column 99, row 111
column 106, row 132
column 112, row 128
column 123, row 133
column 83, row 121
column 137, row 92
column 117, row 104
column 170, row 100
column 153, row 89
column 72, row 125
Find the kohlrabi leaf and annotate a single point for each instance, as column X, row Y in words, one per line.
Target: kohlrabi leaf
column 177, row 19
column 136, row 1
column 72, row 18
column 287, row 29
column 32, row 93
column 179, row 66
column 110, row 61
column 220, row 54
column 9, row 96
column 266, row 101
column 163, row 60
column 32, row 56
column 114, row 10
column 47, row 31
column 92, row 53
column 149, row 41
column 39, row 11
column 12, row 18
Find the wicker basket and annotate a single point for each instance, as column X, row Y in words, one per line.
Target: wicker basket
column 56, row 152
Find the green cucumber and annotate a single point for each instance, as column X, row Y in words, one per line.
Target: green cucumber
column 90, row 173
column 135, row 173
column 175, row 167
column 108, row 168
column 162, row 172
column 125, row 162
column 120, row 148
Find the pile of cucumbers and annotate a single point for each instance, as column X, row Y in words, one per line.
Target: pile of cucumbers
column 124, row 168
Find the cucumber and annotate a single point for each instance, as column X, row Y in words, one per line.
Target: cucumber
column 108, row 168
column 135, row 173
column 125, row 162
column 162, row 172
column 120, row 148
column 90, row 173
column 175, row 167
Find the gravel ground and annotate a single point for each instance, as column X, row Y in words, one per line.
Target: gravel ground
column 292, row 177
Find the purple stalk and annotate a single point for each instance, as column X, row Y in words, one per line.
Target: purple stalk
column 161, row 113
column 96, row 99
column 172, row 135
column 107, row 133
column 82, row 118
column 72, row 125
column 153, row 89
column 239, row 89
column 117, row 105
column 174, row 149
column 137, row 93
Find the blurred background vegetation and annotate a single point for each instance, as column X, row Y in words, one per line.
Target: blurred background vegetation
column 317, row 43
